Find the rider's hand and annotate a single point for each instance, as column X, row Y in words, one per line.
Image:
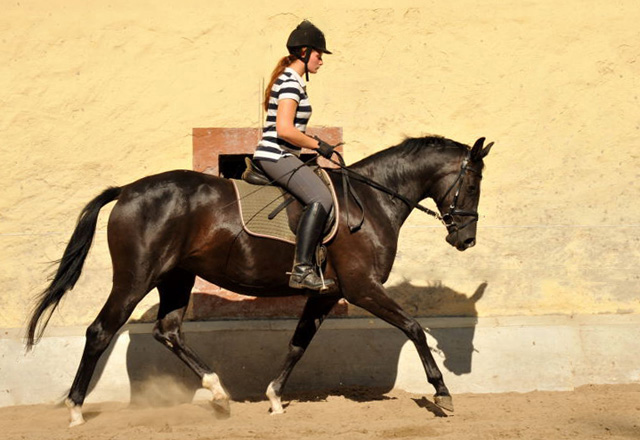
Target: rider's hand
column 324, row 149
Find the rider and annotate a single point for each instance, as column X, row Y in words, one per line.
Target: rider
column 288, row 112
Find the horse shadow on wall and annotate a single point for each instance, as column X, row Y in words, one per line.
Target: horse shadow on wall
column 339, row 361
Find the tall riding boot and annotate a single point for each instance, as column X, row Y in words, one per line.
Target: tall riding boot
column 310, row 228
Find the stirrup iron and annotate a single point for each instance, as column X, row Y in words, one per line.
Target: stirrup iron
column 299, row 278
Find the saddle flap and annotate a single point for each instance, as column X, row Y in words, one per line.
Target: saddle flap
column 255, row 207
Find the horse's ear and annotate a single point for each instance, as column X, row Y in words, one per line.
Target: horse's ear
column 478, row 152
column 477, row 296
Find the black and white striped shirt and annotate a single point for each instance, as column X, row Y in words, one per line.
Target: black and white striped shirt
column 289, row 85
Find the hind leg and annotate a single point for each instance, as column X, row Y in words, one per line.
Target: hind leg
column 175, row 290
column 315, row 311
column 119, row 306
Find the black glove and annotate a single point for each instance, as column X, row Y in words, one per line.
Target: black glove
column 324, row 149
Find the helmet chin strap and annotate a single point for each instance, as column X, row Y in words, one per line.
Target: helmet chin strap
column 305, row 60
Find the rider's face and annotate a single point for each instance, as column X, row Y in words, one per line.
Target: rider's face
column 315, row 61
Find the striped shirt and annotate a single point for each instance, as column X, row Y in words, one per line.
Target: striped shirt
column 289, row 85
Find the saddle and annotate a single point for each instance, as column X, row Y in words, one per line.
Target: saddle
column 262, row 203
column 253, row 174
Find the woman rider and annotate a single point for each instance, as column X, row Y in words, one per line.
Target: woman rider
column 288, row 111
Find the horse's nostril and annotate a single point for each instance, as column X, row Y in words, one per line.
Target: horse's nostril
column 470, row 242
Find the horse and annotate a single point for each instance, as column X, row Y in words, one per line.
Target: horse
column 168, row 228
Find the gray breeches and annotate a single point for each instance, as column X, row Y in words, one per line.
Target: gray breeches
column 290, row 173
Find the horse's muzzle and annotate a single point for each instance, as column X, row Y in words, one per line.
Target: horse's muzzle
column 460, row 243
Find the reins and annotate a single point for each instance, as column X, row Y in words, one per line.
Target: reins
column 348, row 192
column 447, row 219
column 372, row 183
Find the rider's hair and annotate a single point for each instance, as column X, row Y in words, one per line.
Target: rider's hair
column 282, row 64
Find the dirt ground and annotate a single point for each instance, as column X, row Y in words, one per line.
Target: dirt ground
column 591, row 412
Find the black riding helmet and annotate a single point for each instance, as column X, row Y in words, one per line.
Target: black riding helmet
column 306, row 35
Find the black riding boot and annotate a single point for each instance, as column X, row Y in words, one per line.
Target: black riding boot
column 309, row 234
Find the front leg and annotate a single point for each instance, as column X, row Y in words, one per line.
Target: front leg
column 315, row 311
column 373, row 298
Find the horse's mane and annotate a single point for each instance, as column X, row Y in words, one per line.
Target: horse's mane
column 409, row 148
column 399, row 163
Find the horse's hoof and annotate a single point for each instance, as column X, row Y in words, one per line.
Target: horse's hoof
column 276, row 403
column 221, row 408
column 444, row 402
column 275, row 412
column 76, row 423
column 75, row 413
column 220, row 397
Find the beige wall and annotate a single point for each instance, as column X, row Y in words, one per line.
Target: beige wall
column 101, row 93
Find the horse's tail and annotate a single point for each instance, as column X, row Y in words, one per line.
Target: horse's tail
column 70, row 266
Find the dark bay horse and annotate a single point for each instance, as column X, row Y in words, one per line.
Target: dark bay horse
column 169, row 228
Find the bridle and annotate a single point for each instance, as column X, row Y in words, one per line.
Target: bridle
column 447, row 218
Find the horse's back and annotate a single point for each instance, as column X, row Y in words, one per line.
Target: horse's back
column 170, row 209
column 174, row 190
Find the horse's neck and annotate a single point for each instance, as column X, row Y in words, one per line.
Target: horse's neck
column 412, row 179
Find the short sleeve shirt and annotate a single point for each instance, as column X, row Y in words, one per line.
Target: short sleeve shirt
column 289, row 85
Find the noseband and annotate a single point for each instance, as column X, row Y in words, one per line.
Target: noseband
column 447, row 218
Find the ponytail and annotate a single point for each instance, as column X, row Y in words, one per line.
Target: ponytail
column 282, row 64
